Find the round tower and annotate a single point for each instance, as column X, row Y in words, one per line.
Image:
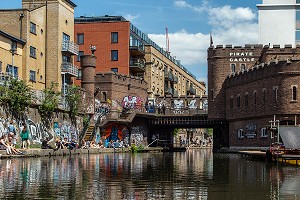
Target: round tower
column 88, row 65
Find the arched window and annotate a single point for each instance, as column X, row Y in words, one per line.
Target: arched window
column 232, row 67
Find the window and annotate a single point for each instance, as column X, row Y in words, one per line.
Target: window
column 114, row 37
column 114, row 55
column 246, row 99
column 114, row 70
column 243, row 67
column 263, row 132
column 32, row 52
column 275, row 94
column 232, row 67
column 80, row 53
column 254, row 94
column 80, row 38
column 294, row 93
column 297, row 1
column 231, row 103
column 264, row 96
column 13, row 71
column 32, row 76
column 238, row 101
column 240, row 133
column 79, row 74
column 66, row 37
column 32, row 28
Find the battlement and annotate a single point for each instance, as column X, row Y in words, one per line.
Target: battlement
column 287, row 47
column 270, row 68
column 120, row 78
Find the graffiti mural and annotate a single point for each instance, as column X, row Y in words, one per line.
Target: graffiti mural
column 101, row 110
column 132, row 102
column 115, row 132
column 65, row 129
column 192, row 104
column 138, row 135
column 38, row 132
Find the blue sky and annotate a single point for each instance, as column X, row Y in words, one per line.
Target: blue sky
column 189, row 23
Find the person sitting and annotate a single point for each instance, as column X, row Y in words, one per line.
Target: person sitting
column 45, row 144
column 5, row 146
column 58, row 143
column 11, row 146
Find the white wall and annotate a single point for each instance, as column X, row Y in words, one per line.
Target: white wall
column 277, row 26
column 279, row 1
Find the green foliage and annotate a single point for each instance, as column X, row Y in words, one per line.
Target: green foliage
column 175, row 131
column 86, row 120
column 72, row 99
column 210, row 131
column 136, row 149
column 15, row 98
column 49, row 104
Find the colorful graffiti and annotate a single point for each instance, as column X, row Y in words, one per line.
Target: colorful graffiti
column 138, row 135
column 101, row 110
column 132, row 102
column 65, row 129
column 115, row 132
column 38, row 132
column 192, row 104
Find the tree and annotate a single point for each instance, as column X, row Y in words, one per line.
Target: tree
column 49, row 104
column 72, row 100
column 15, row 98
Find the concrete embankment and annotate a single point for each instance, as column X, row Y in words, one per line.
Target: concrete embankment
column 63, row 152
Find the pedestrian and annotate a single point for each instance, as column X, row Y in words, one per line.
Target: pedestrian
column 25, row 137
column 164, row 109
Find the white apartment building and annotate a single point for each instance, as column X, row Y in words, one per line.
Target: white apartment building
column 279, row 22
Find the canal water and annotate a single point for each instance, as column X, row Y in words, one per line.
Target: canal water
column 194, row 174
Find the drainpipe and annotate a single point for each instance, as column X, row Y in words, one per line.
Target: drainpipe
column 21, row 23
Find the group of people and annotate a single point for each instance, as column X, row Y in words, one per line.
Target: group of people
column 8, row 140
column 60, row 144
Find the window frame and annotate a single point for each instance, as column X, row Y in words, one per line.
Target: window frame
column 32, row 52
column 240, row 133
column 33, row 28
column 32, row 72
column 78, row 37
column 114, row 69
column 232, row 67
column 114, row 37
column 263, row 132
column 113, row 58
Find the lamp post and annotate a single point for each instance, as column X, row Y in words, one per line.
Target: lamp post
column 13, row 51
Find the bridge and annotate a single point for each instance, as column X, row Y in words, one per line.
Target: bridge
column 162, row 123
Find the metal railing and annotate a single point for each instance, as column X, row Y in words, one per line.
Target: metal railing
column 71, row 47
column 133, row 62
column 69, row 68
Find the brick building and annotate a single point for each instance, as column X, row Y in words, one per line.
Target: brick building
column 124, row 49
column 249, row 86
column 47, row 27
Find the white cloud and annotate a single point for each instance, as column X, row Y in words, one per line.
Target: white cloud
column 130, row 17
column 236, row 26
column 184, row 4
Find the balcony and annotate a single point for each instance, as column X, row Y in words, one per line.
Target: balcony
column 136, row 65
column 168, row 76
column 69, row 68
column 191, row 90
column 175, row 79
column 169, row 90
column 70, row 48
column 136, row 48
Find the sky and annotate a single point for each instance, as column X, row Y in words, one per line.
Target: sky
column 189, row 22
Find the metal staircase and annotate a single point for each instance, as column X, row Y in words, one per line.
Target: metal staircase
column 90, row 133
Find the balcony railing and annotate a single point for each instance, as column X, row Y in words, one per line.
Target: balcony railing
column 137, row 64
column 137, row 47
column 175, row 79
column 192, row 90
column 169, row 90
column 70, row 47
column 69, row 68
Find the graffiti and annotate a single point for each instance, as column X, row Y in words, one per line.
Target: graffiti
column 132, row 102
column 38, row 132
column 192, row 104
column 137, row 134
column 178, row 104
column 65, row 130
column 101, row 110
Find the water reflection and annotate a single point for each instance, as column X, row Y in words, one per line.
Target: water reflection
column 195, row 174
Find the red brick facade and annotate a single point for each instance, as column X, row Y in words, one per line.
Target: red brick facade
column 250, row 97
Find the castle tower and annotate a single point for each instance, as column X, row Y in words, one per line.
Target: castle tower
column 88, row 65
